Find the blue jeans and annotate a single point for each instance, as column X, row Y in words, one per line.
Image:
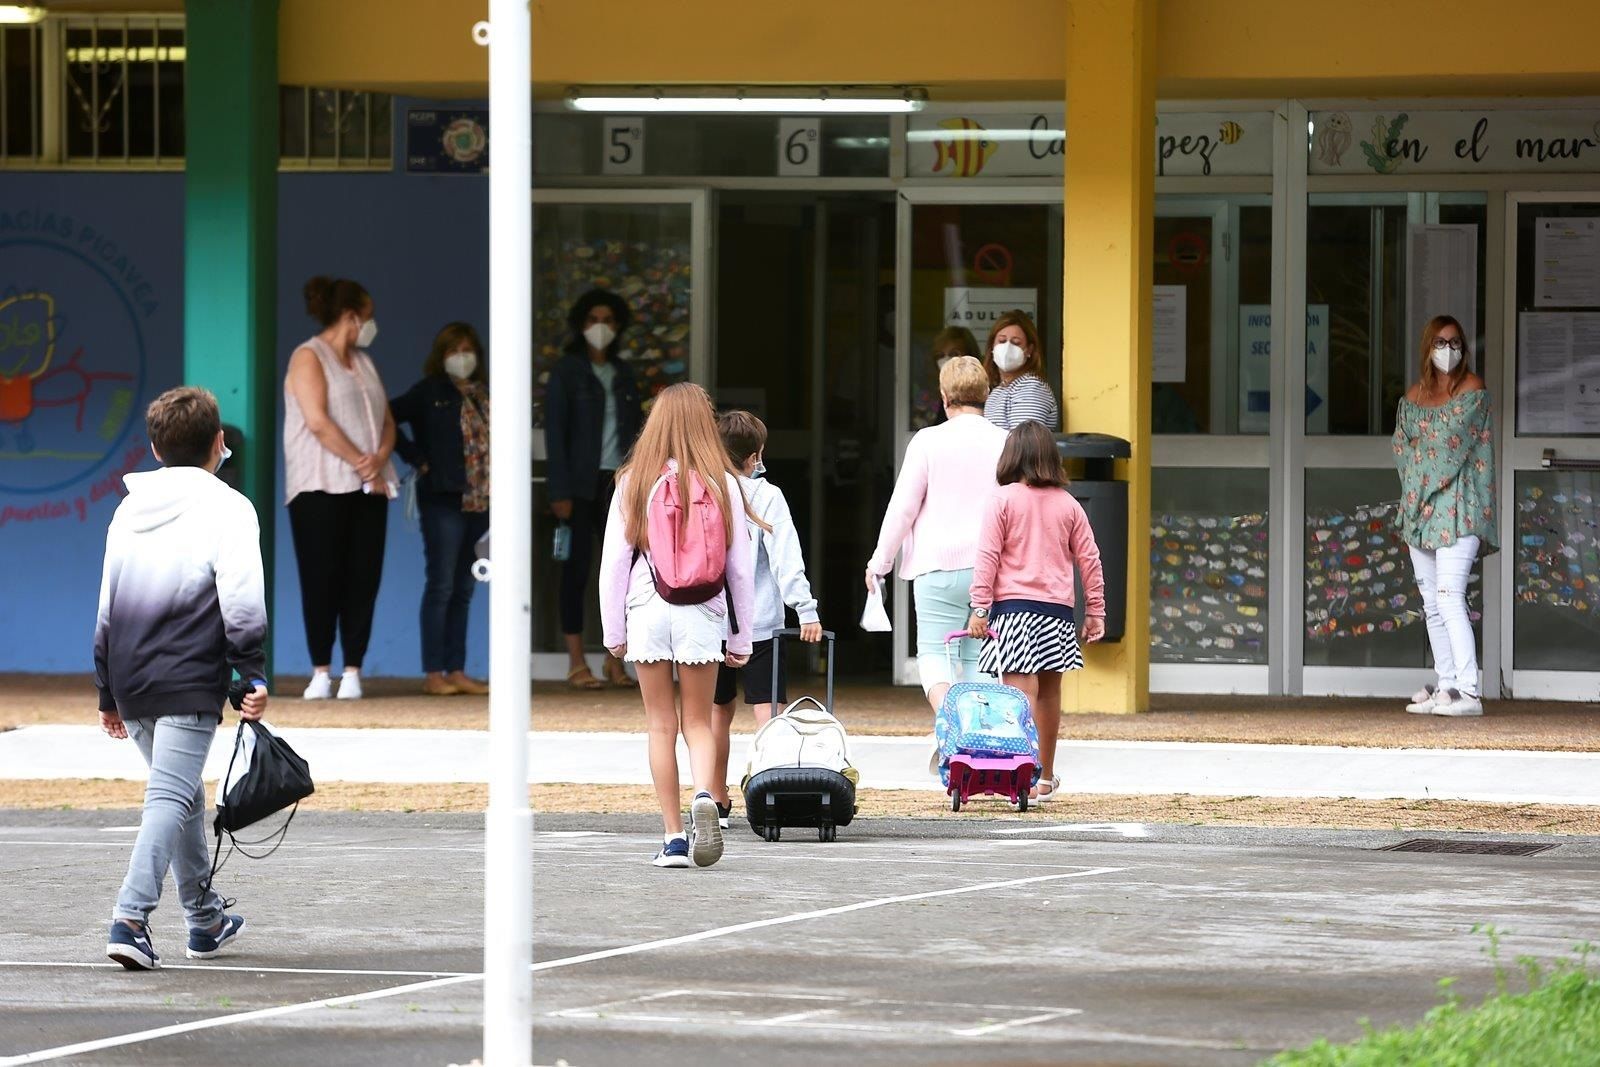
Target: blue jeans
column 172, row 833
column 448, row 537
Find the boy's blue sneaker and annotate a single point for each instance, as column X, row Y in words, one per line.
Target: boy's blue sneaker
column 675, row 853
column 132, row 948
column 204, row 946
column 705, row 830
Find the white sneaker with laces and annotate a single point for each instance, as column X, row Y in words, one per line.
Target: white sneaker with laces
column 1458, row 705
column 350, row 686
column 1422, row 701
column 321, row 687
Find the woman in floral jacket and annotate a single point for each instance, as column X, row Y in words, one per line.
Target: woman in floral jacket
column 1444, row 448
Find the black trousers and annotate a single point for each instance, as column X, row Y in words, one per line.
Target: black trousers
column 588, row 527
column 338, row 544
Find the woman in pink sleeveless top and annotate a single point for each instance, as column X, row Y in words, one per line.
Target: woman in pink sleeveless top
column 338, row 481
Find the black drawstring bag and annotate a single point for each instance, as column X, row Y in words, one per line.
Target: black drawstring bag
column 276, row 778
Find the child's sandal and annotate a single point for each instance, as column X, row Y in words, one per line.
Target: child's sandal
column 1048, row 789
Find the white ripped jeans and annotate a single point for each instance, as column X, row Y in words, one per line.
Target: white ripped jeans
column 1442, row 579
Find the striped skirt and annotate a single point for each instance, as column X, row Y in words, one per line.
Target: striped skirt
column 1027, row 642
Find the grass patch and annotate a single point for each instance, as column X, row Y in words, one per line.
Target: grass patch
column 1554, row 1023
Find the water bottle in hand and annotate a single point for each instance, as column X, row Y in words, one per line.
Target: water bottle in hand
column 561, row 545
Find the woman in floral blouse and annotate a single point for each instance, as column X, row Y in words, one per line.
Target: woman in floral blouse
column 1444, row 448
column 447, row 413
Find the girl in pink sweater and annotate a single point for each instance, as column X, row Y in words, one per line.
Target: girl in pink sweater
column 1033, row 535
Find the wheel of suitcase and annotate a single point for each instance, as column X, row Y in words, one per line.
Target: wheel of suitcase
column 1022, row 800
column 827, row 832
column 955, row 800
column 771, row 833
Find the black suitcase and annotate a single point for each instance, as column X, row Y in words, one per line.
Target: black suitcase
column 817, row 797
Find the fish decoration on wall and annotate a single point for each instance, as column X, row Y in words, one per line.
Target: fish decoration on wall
column 1558, row 547
column 1208, row 588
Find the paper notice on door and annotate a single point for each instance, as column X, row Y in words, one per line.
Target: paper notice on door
column 1558, row 373
column 1566, row 269
column 1171, row 333
column 1442, row 276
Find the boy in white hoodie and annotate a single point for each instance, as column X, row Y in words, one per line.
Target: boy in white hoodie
column 182, row 607
column 780, row 579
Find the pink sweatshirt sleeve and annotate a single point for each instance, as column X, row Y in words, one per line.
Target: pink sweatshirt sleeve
column 991, row 535
column 1086, row 557
column 616, row 572
column 741, row 571
column 910, row 490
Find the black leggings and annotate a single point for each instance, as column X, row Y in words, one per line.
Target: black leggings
column 588, row 528
column 338, row 544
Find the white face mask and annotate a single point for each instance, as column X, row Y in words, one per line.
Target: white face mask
column 227, row 454
column 1446, row 359
column 941, row 361
column 1008, row 356
column 368, row 334
column 600, row 336
column 460, row 365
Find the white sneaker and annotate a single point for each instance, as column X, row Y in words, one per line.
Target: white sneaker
column 321, row 687
column 1422, row 701
column 350, row 686
column 1458, row 705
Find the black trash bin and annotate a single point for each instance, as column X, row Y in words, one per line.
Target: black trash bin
column 1106, row 501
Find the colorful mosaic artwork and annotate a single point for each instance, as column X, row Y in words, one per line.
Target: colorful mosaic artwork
column 652, row 276
column 1558, row 549
column 1208, row 599
column 1209, row 581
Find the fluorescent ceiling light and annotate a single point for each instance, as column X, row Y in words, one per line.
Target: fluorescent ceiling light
column 20, row 14
column 175, row 53
column 742, row 104
column 942, row 134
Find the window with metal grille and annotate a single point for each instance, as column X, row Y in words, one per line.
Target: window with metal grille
column 107, row 91
column 334, row 128
column 20, row 136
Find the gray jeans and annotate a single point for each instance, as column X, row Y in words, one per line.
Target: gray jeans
column 173, row 830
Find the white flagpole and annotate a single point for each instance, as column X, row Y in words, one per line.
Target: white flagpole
column 508, row 823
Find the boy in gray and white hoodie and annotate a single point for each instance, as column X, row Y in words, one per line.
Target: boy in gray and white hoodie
column 780, row 580
column 182, row 607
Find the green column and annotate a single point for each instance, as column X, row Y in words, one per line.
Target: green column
column 231, row 232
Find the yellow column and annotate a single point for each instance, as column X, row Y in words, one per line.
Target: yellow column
column 1110, row 193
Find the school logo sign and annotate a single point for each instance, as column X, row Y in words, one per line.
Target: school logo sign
column 72, row 350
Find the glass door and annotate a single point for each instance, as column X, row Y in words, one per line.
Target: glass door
column 652, row 248
column 964, row 257
column 1370, row 286
column 1550, row 477
column 1210, row 479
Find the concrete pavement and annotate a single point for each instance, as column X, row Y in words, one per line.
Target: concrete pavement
column 1112, row 767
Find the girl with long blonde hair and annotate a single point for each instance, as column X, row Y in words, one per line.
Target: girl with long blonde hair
column 680, row 440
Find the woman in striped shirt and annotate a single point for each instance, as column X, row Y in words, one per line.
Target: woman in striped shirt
column 1017, row 389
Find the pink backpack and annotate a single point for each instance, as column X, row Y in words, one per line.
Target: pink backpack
column 687, row 559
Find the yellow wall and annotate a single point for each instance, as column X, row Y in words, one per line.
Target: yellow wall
column 960, row 49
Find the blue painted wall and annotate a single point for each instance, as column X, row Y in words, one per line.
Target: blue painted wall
column 108, row 249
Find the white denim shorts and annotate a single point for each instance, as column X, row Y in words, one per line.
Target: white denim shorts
column 659, row 632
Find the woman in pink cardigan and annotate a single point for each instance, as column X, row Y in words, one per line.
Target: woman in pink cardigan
column 1034, row 535
column 933, row 517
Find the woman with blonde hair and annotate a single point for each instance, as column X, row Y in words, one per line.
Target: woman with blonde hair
column 1444, row 450
column 673, row 496
column 1017, row 389
column 933, row 518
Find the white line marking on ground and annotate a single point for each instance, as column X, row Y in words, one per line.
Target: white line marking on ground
column 1042, row 1017
column 792, row 1017
column 1121, row 829
column 99, row 1044
column 547, row 965
column 119, row 829
column 821, row 913
column 245, row 970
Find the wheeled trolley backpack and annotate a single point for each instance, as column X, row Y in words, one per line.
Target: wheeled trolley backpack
column 799, row 772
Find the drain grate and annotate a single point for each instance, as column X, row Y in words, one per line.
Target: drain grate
column 1468, row 847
